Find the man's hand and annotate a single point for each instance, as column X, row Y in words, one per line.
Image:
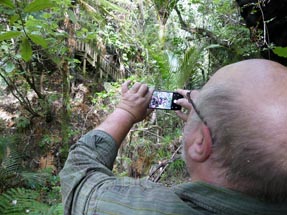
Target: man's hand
column 135, row 100
column 132, row 108
column 184, row 103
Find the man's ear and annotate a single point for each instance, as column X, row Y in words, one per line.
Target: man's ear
column 200, row 149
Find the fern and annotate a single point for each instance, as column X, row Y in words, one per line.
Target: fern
column 24, row 201
column 20, row 201
column 56, row 210
column 9, row 170
column 5, row 142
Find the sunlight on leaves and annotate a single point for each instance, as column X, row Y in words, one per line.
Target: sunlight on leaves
column 38, row 5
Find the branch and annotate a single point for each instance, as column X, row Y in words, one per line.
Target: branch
column 200, row 31
column 31, row 82
column 24, row 101
column 163, row 165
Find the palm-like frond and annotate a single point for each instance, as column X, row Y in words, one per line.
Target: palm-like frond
column 189, row 68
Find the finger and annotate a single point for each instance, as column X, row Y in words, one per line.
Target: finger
column 136, row 87
column 182, row 92
column 182, row 115
column 183, row 103
column 148, row 96
column 143, row 90
column 125, row 86
column 193, row 93
column 150, row 92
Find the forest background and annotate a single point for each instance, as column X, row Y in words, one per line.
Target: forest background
column 62, row 65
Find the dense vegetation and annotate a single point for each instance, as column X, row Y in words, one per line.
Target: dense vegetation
column 53, row 91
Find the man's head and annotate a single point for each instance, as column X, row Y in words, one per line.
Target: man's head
column 243, row 144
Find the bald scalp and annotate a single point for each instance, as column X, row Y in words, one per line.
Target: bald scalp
column 245, row 105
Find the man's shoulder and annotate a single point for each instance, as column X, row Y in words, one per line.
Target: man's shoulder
column 138, row 196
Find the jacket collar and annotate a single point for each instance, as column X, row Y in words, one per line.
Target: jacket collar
column 219, row 200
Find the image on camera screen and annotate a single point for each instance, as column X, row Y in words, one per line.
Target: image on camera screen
column 161, row 100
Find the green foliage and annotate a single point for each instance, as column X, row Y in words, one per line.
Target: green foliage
column 22, row 123
column 280, row 51
column 9, row 35
column 164, row 8
column 38, row 5
column 3, row 147
column 214, row 36
column 26, row 50
column 24, row 201
column 45, row 182
column 191, row 40
column 36, row 37
column 20, row 201
column 160, row 67
column 189, row 66
column 10, row 166
column 7, row 3
column 175, row 173
column 38, row 40
column 43, row 195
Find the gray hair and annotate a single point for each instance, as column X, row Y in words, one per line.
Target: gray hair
column 239, row 139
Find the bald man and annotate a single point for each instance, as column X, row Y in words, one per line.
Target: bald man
column 235, row 149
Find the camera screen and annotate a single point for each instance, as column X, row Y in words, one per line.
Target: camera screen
column 161, row 100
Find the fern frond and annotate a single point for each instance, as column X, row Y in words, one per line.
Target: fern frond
column 5, row 142
column 12, row 162
column 35, row 179
column 21, row 201
column 3, row 147
column 9, row 170
column 56, row 210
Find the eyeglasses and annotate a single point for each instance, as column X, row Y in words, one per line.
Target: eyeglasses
column 195, row 108
column 199, row 115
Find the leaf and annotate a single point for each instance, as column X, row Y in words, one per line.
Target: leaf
column 72, row 16
column 9, row 35
column 39, row 40
column 112, row 6
column 280, row 51
column 9, row 67
column 38, row 5
column 212, row 46
column 13, row 19
column 25, row 49
column 7, row 3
